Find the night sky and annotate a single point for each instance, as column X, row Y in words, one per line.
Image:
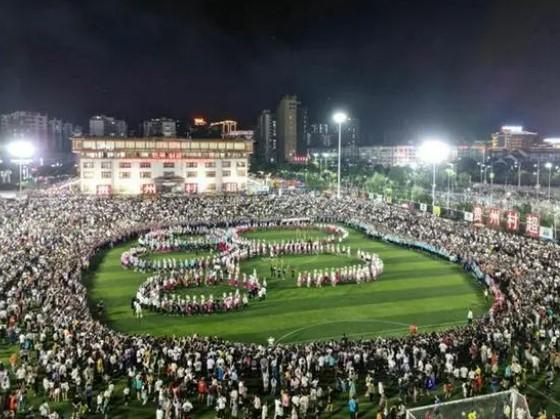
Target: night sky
column 455, row 68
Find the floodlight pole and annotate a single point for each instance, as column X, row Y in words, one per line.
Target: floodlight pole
column 339, row 153
column 20, row 175
column 434, row 184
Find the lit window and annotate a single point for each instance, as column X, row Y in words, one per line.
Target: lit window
column 209, row 164
column 168, row 174
column 226, row 173
column 210, row 174
column 106, row 165
column 168, row 165
column 145, row 165
column 191, row 174
column 226, row 164
column 125, row 165
column 88, row 165
column 87, row 175
column 146, row 175
column 241, row 164
column 191, row 164
column 106, row 175
column 124, row 175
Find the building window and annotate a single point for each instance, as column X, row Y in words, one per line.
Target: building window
column 211, row 187
column 168, row 165
column 210, row 164
column 210, row 174
column 145, row 165
column 87, row 175
column 88, row 165
column 106, row 175
column 125, row 165
column 106, row 165
column 226, row 164
column 191, row 164
column 124, row 175
column 146, row 175
column 191, row 174
column 168, row 174
column 241, row 173
column 241, row 164
column 226, row 173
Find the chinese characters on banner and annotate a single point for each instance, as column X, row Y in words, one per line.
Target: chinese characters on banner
column 494, row 217
column 149, row 189
column 423, row 207
column 512, row 220
column 103, row 190
column 532, row 228
column 477, row 214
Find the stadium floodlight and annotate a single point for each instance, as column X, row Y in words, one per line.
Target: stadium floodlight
column 21, row 151
column 548, row 165
column 434, row 152
column 339, row 118
column 512, row 128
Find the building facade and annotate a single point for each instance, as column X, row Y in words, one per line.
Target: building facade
column 33, row 126
column 389, row 156
column 107, row 126
column 160, row 127
column 148, row 166
column 513, row 138
column 287, row 124
column 267, row 137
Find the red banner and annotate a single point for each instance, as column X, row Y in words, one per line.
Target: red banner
column 103, row 189
column 512, row 220
column 191, row 188
column 532, row 228
column 149, row 189
column 477, row 214
column 494, row 217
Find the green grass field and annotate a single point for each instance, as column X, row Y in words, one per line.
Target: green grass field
column 415, row 288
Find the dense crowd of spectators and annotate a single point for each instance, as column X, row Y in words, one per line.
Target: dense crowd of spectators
column 67, row 355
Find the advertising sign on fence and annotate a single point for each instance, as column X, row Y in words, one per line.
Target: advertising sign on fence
column 468, row 216
column 423, row 207
column 477, row 214
column 512, row 220
column 546, row 233
column 494, row 217
column 532, row 228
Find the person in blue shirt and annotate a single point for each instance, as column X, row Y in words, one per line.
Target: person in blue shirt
column 353, row 407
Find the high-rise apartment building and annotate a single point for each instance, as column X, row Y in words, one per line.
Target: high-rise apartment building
column 513, row 137
column 159, row 127
column 266, row 137
column 107, row 126
column 287, row 124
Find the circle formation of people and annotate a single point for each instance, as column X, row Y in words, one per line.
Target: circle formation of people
column 67, row 354
column 158, row 292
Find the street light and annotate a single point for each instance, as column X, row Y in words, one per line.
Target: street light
column 548, row 165
column 22, row 151
column 433, row 152
column 339, row 118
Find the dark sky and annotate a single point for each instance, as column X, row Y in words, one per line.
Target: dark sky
column 459, row 68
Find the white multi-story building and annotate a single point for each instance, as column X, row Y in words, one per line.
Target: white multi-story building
column 401, row 155
column 149, row 165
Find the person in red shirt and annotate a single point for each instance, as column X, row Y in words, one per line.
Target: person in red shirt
column 202, row 389
column 413, row 329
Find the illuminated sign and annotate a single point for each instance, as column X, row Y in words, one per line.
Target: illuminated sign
column 200, row 122
column 512, row 220
column 477, row 214
column 149, row 189
column 494, row 217
column 103, row 190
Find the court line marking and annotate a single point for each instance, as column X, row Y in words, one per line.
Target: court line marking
column 546, row 396
column 405, row 327
column 339, row 321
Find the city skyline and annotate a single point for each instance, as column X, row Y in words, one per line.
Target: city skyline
column 456, row 69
